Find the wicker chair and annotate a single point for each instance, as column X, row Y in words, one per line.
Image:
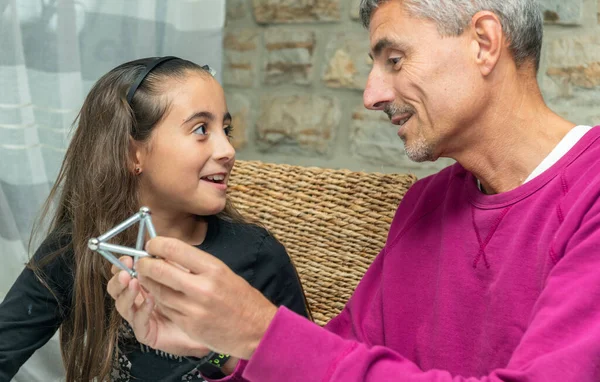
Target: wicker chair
column 332, row 222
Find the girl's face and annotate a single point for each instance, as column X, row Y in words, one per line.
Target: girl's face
column 187, row 161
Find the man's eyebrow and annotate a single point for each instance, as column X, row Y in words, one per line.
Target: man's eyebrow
column 227, row 117
column 383, row 44
column 380, row 46
column 200, row 114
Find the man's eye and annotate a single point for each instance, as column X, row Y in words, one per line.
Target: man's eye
column 200, row 130
column 395, row 62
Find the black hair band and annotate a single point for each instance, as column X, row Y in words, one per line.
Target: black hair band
column 143, row 75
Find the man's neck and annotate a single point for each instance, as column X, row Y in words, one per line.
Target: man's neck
column 509, row 140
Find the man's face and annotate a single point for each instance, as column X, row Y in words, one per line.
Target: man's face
column 423, row 81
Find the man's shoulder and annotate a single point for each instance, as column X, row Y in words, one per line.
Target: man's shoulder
column 427, row 195
column 582, row 173
column 437, row 182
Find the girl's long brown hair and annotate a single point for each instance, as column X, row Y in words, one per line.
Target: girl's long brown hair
column 95, row 190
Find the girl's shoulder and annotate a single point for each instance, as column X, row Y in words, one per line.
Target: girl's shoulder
column 245, row 232
column 238, row 242
column 56, row 245
column 50, row 271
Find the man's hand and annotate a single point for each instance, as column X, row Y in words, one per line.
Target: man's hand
column 210, row 303
column 149, row 325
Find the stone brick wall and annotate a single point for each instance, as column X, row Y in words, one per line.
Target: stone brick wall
column 294, row 71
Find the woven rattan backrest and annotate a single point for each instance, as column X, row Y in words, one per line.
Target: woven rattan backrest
column 332, row 222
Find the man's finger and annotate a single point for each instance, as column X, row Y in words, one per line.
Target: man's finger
column 181, row 253
column 141, row 321
column 117, row 284
column 163, row 272
column 126, row 260
column 164, row 294
column 125, row 304
column 168, row 311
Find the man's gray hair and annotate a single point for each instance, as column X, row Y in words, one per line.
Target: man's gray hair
column 521, row 20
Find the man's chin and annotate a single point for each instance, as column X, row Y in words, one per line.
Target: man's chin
column 419, row 153
column 417, row 159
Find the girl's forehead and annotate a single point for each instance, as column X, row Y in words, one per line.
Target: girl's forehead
column 195, row 93
column 190, row 81
column 193, row 87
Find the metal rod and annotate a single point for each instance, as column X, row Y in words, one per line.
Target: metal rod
column 120, row 228
column 122, row 250
column 105, row 249
column 139, row 245
column 113, row 260
column 150, row 227
column 141, row 234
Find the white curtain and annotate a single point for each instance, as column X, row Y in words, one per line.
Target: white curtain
column 51, row 53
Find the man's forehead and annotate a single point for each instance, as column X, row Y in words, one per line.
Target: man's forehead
column 392, row 26
column 385, row 12
column 386, row 29
column 385, row 18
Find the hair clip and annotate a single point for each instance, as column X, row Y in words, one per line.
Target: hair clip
column 210, row 70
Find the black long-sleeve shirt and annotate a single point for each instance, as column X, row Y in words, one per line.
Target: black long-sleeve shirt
column 30, row 313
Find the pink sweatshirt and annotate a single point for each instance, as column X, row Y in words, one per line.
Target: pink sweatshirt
column 469, row 287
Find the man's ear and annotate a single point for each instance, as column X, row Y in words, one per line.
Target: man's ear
column 488, row 40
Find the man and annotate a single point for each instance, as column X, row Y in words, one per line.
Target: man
column 490, row 270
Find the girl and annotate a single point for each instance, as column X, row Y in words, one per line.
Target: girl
column 152, row 132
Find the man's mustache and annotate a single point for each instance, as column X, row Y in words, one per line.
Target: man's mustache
column 392, row 109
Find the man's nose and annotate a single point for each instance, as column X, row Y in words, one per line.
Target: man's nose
column 378, row 92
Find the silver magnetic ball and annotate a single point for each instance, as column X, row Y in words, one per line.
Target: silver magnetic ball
column 93, row 244
column 145, row 211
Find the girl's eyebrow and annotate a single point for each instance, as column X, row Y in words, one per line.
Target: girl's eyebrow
column 200, row 114
column 206, row 115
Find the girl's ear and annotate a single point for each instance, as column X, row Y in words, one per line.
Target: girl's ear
column 136, row 156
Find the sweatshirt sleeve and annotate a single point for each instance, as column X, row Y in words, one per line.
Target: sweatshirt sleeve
column 277, row 279
column 348, row 325
column 561, row 342
column 30, row 313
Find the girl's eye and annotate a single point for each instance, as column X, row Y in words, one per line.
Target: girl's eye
column 200, row 130
column 228, row 131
